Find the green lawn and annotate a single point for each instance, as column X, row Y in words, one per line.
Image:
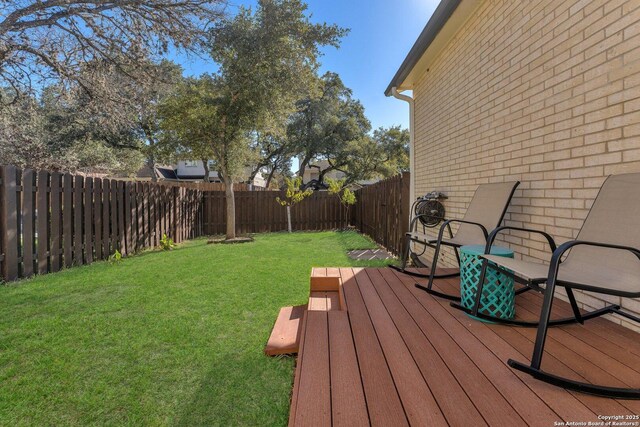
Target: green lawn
column 164, row 338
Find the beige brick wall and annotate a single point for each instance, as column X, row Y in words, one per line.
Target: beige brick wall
column 545, row 92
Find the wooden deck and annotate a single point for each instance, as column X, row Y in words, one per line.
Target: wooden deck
column 398, row 356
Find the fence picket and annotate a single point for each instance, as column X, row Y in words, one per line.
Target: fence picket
column 55, row 248
column 9, row 223
column 88, row 220
column 97, row 217
column 106, row 218
column 77, row 223
column 28, row 235
column 42, row 221
column 67, row 219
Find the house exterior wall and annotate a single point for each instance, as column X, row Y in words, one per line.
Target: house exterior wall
column 191, row 168
column 544, row 92
column 313, row 172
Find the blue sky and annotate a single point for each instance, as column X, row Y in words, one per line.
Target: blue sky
column 382, row 32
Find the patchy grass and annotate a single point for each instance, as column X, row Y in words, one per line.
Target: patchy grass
column 164, row 338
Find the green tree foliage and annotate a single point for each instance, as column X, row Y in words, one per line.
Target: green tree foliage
column 332, row 126
column 64, row 129
column 267, row 59
column 381, row 155
column 328, row 126
column 274, row 155
column 293, row 195
column 393, row 145
column 48, row 134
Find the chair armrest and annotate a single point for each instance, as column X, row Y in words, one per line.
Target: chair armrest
column 562, row 249
column 482, row 227
column 494, row 234
column 556, row 258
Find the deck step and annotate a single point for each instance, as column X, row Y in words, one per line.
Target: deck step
column 324, row 301
column 324, row 279
column 285, row 335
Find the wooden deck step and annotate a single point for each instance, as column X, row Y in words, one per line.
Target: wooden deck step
column 285, row 335
column 324, row 279
column 324, row 301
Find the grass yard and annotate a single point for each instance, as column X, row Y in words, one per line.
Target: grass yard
column 164, row 338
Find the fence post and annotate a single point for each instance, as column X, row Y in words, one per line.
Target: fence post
column 9, row 223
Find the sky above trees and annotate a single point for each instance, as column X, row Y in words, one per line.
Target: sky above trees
column 382, row 33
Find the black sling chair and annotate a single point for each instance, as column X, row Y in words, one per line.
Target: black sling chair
column 485, row 212
column 603, row 259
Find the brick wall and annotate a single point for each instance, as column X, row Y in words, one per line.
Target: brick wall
column 544, row 92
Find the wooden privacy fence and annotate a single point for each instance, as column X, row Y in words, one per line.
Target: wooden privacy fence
column 382, row 211
column 258, row 212
column 50, row 220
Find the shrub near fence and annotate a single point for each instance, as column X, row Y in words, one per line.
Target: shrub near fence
column 50, row 220
column 382, row 211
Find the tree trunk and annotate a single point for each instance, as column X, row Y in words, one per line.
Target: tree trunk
column 205, row 165
column 151, row 160
column 303, row 166
column 289, row 218
column 151, row 164
column 231, row 206
column 270, row 178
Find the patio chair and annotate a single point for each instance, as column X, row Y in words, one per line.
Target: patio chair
column 604, row 258
column 485, row 212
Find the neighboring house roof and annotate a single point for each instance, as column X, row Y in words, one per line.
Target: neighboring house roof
column 165, row 172
column 442, row 26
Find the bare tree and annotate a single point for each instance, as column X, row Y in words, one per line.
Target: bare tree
column 43, row 40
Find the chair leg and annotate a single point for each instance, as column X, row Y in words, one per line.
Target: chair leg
column 574, row 306
column 405, row 252
column 545, row 316
column 434, row 264
column 483, row 275
column 433, row 275
column 536, row 361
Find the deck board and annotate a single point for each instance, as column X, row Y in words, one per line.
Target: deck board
column 314, row 394
column 400, row 356
column 417, row 399
column 383, row 402
column 348, row 404
column 567, row 405
column 528, row 406
column 455, row 404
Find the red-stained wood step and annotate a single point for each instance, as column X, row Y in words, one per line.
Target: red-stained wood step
column 285, row 336
column 324, row 279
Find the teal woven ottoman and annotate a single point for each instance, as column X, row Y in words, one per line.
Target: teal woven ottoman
column 498, row 295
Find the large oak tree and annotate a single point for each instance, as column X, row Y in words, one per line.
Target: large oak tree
column 267, row 59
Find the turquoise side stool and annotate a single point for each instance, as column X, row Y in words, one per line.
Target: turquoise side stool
column 498, row 294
